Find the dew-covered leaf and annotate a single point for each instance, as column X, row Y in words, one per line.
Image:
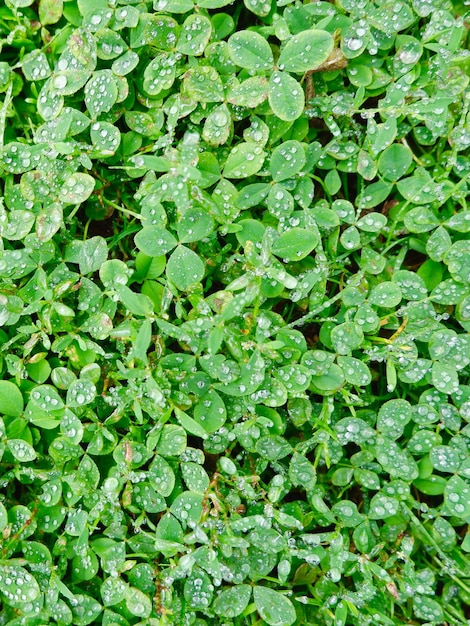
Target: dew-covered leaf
column 155, row 241
column 250, row 50
column 21, row 450
column 306, row 51
column 382, row 506
column 445, row 377
column 217, row 126
column 386, row 294
column 194, row 35
column 203, row 84
column 77, row 188
column 274, row 607
column 286, row 96
column 232, row 601
column 295, row 244
column 244, row 160
column 394, row 162
column 17, row 585
column 457, row 497
column 287, row 160
column 101, row 92
column 80, row 393
column 249, row 93
column 346, row 337
column 184, row 268
column 355, row 371
column 393, row 416
column 105, row 137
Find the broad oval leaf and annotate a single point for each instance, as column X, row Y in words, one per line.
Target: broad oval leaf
column 184, row 268
column 155, row 241
column 295, row 244
column 457, row 497
column 10, row 587
column 232, row 601
column 274, row 607
column 395, row 161
column 11, row 399
column 287, row 160
column 21, row 450
column 306, row 51
column 250, row 50
column 77, row 188
column 286, row 96
column 244, row 160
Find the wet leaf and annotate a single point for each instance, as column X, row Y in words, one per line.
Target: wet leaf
column 274, row 608
column 305, row 51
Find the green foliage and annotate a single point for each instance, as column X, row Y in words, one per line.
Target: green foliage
column 235, row 313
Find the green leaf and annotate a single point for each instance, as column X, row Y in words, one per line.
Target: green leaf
column 12, row 590
column 136, row 303
column 172, row 441
column 155, row 241
column 49, row 221
column 187, row 507
column 190, row 425
column 101, row 93
column 445, row 377
column 274, row 608
column 217, row 126
column 232, row 601
column 295, row 244
column 184, row 268
column 160, row 73
column 286, row 96
column 382, row 506
column 250, row 50
column 306, row 51
column 68, row 82
column 93, row 253
column 210, row 411
column 138, row 603
column 198, row 589
column 386, row 294
column 393, row 416
column 249, row 93
column 113, row 590
column 244, row 160
column 457, row 497
column 302, row 472
column 346, row 337
column 11, row 400
column 381, row 135
column 80, row 393
column 438, row 244
column 195, row 477
column 355, row 372
column 195, row 224
column 77, row 188
column 395, row 161
column 195, row 34
column 35, row 66
column 372, row 222
column 105, row 137
column 21, row 450
column 203, row 84
column 287, row 160
column 427, row 609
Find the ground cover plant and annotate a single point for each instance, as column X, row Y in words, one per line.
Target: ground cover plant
column 235, row 312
